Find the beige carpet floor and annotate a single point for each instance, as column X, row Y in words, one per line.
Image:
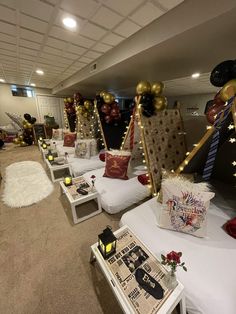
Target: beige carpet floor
column 44, row 259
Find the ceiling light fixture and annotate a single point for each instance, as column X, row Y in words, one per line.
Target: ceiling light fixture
column 69, row 22
column 32, row 84
column 40, row 72
column 2, row 81
column 195, row 75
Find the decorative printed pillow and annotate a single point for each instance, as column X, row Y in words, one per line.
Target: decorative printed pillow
column 102, row 156
column 82, row 149
column 143, row 179
column 57, row 134
column 185, row 206
column 69, row 139
column 117, row 163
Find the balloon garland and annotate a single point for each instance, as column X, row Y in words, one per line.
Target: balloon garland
column 26, row 136
column 152, row 99
column 69, row 113
column 223, row 75
column 108, row 108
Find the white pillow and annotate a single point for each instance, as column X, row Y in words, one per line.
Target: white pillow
column 185, row 206
column 82, row 149
column 57, row 134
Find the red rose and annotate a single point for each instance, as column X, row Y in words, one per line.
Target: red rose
column 173, row 256
column 93, row 176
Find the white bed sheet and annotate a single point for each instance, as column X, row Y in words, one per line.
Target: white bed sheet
column 80, row 166
column 210, row 282
column 116, row 194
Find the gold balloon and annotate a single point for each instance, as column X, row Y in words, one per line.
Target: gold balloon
column 102, row 93
column 108, row 98
column 85, row 114
column 160, row 103
column 20, row 138
column 23, row 143
column 157, row 88
column 143, row 87
column 228, row 90
column 80, row 109
column 28, row 125
column 87, row 104
column 16, row 141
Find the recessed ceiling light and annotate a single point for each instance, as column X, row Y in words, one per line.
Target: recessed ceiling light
column 32, row 84
column 69, row 22
column 40, row 72
column 195, row 75
column 2, row 81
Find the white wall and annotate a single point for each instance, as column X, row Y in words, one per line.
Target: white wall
column 19, row 105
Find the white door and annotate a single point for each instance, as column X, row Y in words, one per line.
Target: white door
column 52, row 106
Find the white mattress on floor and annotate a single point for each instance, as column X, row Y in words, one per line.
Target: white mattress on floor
column 81, row 165
column 116, row 194
column 210, row 282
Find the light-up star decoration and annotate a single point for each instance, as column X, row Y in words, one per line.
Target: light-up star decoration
column 232, row 140
column 231, row 127
column 234, row 163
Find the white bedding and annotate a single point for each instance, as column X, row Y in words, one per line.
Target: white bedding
column 80, row 166
column 210, row 282
column 116, row 194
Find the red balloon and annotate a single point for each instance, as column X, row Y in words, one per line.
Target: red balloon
column 105, row 109
column 114, row 105
column 70, row 110
column 212, row 113
column 114, row 112
column 117, row 117
column 108, row 119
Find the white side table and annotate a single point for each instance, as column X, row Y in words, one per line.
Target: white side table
column 80, row 200
column 57, row 172
column 176, row 297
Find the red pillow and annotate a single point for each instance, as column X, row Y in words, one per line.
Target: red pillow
column 116, row 166
column 230, row 227
column 102, row 156
column 69, row 139
column 143, row 179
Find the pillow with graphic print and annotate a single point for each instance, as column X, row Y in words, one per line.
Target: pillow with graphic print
column 82, row 149
column 93, row 147
column 117, row 163
column 185, row 205
column 57, row 134
column 69, row 139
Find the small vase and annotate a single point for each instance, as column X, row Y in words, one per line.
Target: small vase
column 170, row 280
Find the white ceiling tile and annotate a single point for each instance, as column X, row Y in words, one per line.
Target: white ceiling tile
column 9, row 3
column 8, row 52
column 124, row 7
column 7, row 46
column 7, row 28
column 33, row 24
column 127, row 28
column 85, row 60
column 112, row 39
column 51, row 50
column 106, row 18
column 8, row 15
column 146, row 14
column 79, row 65
column 92, row 31
column 101, row 47
column 76, row 49
column 169, row 4
column 27, row 51
column 6, row 57
column 29, row 44
column 55, row 43
column 82, row 41
column 61, row 33
column 33, row 36
column 28, row 57
column 25, row 61
column 37, row 9
column 83, row 8
column 71, row 56
column 7, row 38
column 92, row 54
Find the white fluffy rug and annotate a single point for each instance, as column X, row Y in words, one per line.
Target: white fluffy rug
column 26, row 183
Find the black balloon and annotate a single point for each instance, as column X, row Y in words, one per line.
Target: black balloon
column 146, row 99
column 208, row 105
column 233, row 70
column 27, row 117
column 148, row 112
column 222, row 73
column 32, row 120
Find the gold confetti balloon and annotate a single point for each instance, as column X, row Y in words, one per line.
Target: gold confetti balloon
column 160, row 103
column 157, row 88
column 108, row 98
column 228, row 90
column 143, row 87
column 102, row 93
